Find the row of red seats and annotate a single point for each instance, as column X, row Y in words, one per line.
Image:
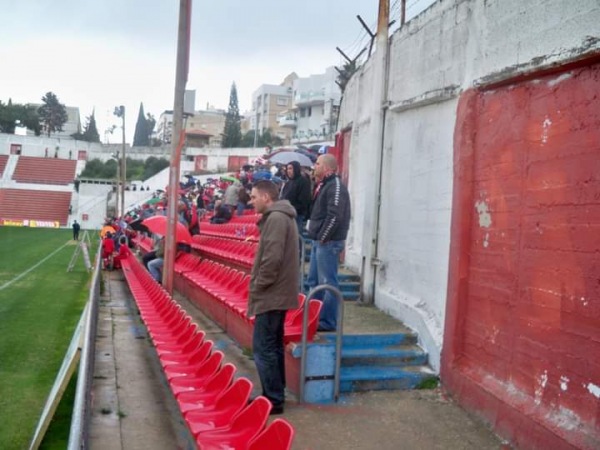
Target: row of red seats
column 230, row 288
column 250, row 216
column 235, row 251
column 239, row 231
column 144, row 242
column 214, row 405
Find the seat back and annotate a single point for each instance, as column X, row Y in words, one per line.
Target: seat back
column 235, row 396
column 222, row 379
column 279, row 435
column 210, row 366
column 252, row 418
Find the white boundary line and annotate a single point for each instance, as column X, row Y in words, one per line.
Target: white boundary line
column 22, row 274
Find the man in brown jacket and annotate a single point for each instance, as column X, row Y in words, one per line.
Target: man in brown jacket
column 273, row 287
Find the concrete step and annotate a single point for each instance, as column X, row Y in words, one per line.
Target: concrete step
column 368, row 341
column 394, row 356
column 375, row 378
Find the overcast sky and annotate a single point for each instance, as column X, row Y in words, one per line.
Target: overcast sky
column 103, row 53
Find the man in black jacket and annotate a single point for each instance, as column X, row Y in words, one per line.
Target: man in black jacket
column 328, row 228
column 297, row 191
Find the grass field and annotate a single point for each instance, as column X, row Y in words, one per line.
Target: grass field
column 39, row 308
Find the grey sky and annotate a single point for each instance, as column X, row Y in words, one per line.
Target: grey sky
column 111, row 52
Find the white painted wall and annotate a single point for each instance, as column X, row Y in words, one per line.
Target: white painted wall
column 452, row 46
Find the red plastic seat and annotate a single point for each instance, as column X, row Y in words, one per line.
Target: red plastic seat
column 184, row 354
column 279, row 435
column 244, row 427
column 293, row 331
column 198, row 379
column 208, row 394
column 197, row 357
column 169, row 351
column 221, row 413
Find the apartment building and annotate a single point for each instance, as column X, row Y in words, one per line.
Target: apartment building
column 313, row 115
column 268, row 102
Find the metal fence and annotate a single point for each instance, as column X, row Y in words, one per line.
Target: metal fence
column 80, row 421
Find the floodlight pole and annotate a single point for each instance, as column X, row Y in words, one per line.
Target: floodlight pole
column 181, row 74
column 123, row 164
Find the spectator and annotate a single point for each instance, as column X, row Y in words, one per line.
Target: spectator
column 155, row 266
column 328, row 228
column 243, row 199
column 232, row 195
column 297, row 191
column 108, row 248
column 76, row 228
column 273, row 288
column 123, row 253
column 222, row 213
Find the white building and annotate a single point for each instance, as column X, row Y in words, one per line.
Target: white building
column 313, row 115
column 268, row 102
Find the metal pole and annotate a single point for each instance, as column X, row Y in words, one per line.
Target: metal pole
column 123, row 166
column 117, row 186
column 181, row 73
column 338, row 340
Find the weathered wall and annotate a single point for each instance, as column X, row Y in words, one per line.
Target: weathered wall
column 452, row 47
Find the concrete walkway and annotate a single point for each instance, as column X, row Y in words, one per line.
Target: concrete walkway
column 140, row 412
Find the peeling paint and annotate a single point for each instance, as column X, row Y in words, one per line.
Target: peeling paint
column 565, row 76
column 485, row 218
column 564, row 383
column 545, row 127
column 584, row 301
column 486, row 240
column 539, row 390
column 593, row 389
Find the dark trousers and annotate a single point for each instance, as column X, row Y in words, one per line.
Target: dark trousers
column 267, row 346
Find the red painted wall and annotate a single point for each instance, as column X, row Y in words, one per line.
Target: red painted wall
column 522, row 335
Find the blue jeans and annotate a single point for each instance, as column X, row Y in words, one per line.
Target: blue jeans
column 268, row 349
column 155, row 267
column 323, row 269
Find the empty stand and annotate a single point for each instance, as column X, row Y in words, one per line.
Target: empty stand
column 3, row 161
column 35, row 205
column 31, row 169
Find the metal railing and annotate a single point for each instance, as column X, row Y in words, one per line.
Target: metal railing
column 80, row 421
column 338, row 340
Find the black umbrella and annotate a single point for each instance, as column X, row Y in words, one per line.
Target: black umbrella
column 138, row 226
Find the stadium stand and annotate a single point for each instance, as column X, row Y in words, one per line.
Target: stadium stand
column 31, row 169
column 3, row 161
column 215, row 407
column 25, row 204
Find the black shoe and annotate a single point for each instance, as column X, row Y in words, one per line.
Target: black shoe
column 276, row 410
column 326, row 330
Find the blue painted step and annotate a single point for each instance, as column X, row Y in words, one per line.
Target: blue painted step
column 402, row 355
column 381, row 361
column 372, row 378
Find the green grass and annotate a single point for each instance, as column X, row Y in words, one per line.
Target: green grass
column 38, row 314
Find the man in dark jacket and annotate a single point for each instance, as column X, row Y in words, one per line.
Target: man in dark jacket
column 328, row 228
column 273, row 287
column 297, row 191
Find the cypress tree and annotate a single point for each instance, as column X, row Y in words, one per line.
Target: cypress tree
column 141, row 136
column 232, row 132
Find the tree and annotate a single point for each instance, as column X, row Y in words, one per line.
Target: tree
column 90, row 132
column 264, row 139
column 140, row 137
column 12, row 115
column 53, row 114
column 232, row 132
column 345, row 74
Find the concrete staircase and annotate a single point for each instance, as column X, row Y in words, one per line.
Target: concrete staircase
column 378, row 352
column 382, row 362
